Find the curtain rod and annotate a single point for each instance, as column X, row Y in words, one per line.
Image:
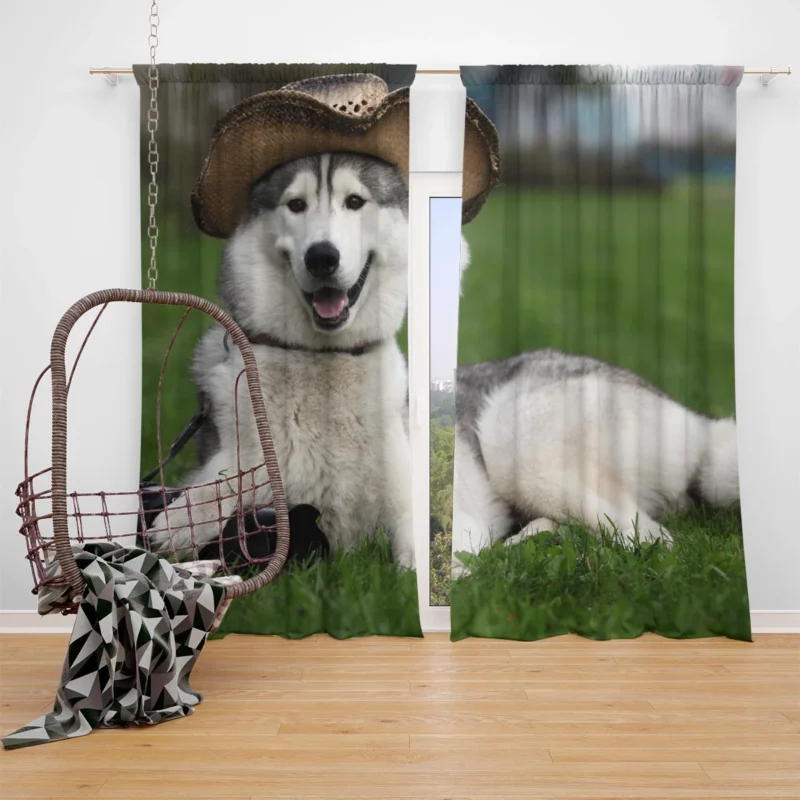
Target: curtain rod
column 767, row 74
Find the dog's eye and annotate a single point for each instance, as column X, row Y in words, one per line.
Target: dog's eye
column 297, row 206
column 354, row 202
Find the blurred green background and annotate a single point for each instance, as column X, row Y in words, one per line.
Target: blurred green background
column 615, row 275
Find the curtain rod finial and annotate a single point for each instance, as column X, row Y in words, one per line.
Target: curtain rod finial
column 111, row 75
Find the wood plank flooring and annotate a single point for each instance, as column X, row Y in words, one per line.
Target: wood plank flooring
column 379, row 718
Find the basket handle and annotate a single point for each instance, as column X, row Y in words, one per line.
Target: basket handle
column 66, row 559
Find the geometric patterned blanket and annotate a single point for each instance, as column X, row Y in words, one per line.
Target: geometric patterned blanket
column 139, row 629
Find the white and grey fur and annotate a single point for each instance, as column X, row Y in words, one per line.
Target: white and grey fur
column 546, row 437
column 338, row 420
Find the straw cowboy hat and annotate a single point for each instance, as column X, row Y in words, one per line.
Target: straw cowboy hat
column 354, row 113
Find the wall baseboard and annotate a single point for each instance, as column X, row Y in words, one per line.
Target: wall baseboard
column 775, row 621
column 31, row 622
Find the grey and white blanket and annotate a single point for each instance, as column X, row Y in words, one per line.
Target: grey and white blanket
column 139, row 629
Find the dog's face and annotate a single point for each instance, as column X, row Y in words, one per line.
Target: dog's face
column 321, row 252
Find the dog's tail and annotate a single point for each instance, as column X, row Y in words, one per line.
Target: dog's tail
column 719, row 472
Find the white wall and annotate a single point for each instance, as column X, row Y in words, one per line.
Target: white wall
column 70, row 199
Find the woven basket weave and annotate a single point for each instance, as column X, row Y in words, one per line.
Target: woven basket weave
column 48, row 510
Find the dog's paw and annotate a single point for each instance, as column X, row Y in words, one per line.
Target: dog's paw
column 541, row 525
column 171, row 533
column 665, row 537
column 651, row 533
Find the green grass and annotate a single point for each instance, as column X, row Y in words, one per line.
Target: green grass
column 573, row 582
column 644, row 282
column 188, row 262
column 355, row 593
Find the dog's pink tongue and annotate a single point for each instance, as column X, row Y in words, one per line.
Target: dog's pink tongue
column 329, row 303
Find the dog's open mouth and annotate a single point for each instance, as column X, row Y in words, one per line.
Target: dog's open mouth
column 332, row 306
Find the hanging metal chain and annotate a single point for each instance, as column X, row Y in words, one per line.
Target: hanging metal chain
column 152, row 148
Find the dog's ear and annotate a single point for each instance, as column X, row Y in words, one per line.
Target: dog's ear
column 465, row 260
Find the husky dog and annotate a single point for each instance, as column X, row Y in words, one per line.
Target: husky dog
column 316, row 276
column 546, row 437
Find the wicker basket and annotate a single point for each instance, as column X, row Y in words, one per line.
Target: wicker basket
column 53, row 519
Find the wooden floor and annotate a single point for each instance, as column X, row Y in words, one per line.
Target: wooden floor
column 396, row 718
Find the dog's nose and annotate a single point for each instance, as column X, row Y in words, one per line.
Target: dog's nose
column 322, row 259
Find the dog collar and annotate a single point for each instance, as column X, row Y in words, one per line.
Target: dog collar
column 271, row 341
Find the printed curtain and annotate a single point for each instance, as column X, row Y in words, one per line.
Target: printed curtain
column 279, row 199
column 596, row 480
